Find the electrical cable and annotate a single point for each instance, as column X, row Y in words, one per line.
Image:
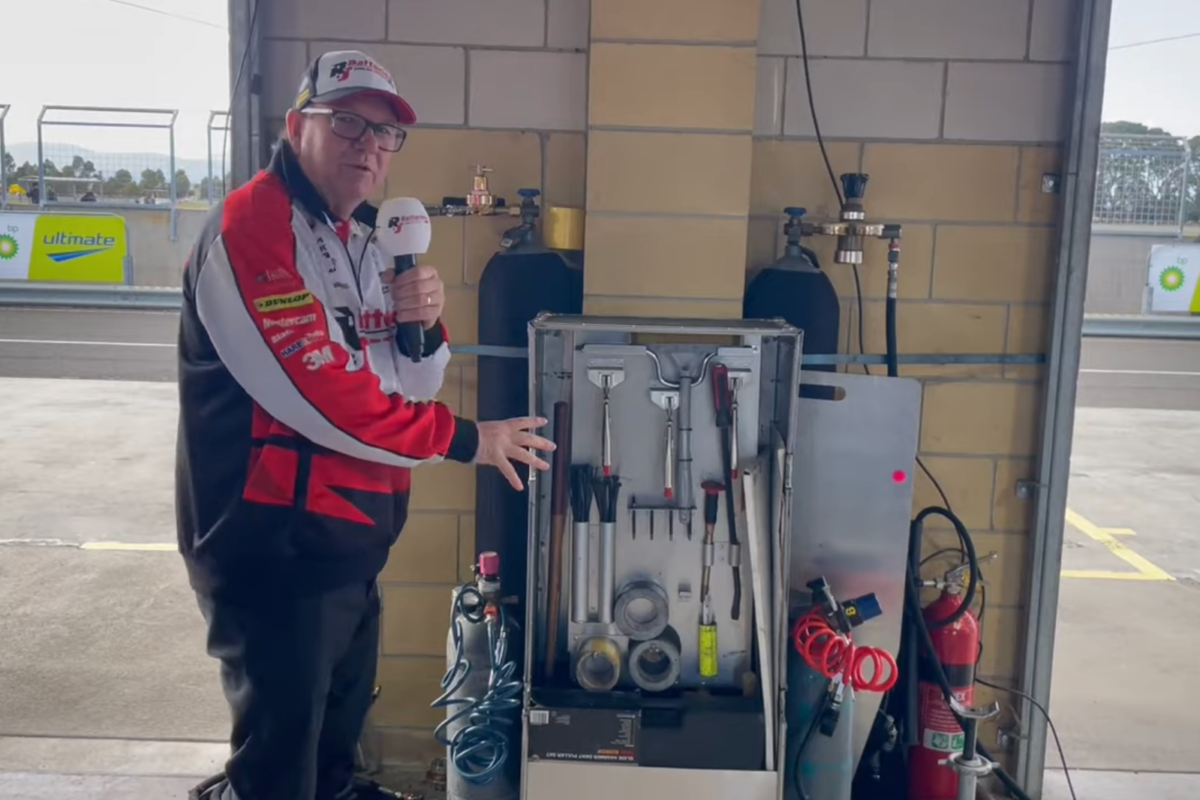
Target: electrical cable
column 812, row 728
column 479, row 749
column 812, row 106
column 1154, row 41
column 169, row 14
column 1057, row 743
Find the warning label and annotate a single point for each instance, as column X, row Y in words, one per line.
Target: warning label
column 941, row 730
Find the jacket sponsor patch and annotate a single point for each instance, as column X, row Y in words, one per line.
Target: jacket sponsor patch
column 288, row 322
column 301, row 343
column 278, row 302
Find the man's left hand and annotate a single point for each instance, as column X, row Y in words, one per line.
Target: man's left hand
column 419, row 296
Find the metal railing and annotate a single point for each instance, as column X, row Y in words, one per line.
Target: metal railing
column 3, row 156
column 223, row 129
column 1144, row 182
column 73, row 116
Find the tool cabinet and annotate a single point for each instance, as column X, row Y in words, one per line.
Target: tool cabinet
column 634, row 684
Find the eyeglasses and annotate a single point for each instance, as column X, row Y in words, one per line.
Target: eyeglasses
column 348, row 125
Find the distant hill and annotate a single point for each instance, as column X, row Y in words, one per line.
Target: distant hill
column 108, row 163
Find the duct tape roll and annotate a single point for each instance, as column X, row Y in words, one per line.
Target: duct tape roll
column 655, row 665
column 642, row 611
column 598, row 664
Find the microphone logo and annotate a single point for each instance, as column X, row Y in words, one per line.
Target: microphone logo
column 397, row 223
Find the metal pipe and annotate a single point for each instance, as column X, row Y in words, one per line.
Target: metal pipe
column 683, row 488
column 608, row 570
column 579, row 572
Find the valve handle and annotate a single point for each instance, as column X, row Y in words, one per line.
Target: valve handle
column 854, row 185
column 528, row 193
column 795, row 212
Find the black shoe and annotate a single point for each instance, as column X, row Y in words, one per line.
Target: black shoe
column 363, row 789
column 204, row 791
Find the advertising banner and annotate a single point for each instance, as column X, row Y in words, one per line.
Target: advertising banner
column 77, row 248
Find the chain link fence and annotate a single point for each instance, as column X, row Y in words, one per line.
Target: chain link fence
column 1145, row 181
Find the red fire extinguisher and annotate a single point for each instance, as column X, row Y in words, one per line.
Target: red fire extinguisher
column 956, row 646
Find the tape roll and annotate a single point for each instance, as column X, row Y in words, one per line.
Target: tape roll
column 654, row 665
column 642, row 611
column 598, row 664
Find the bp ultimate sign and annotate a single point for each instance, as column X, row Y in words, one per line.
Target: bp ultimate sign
column 78, row 248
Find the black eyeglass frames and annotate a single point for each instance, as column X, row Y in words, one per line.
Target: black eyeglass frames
column 351, row 126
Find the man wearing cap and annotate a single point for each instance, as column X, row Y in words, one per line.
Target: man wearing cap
column 301, row 416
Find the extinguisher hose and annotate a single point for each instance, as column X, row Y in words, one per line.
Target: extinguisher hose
column 914, row 559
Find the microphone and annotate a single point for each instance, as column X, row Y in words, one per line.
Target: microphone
column 402, row 230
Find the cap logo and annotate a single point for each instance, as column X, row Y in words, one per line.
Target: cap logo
column 342, row 70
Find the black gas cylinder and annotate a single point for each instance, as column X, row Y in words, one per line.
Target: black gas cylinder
column 520, row 281
column 795, row 289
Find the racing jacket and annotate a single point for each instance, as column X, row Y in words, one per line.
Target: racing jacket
column 300, row 413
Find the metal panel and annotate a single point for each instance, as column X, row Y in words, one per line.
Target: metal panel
column 851, row 515
column 1058, row 416
column 548, row 780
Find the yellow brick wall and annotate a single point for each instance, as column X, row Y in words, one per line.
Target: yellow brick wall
column 684, row 138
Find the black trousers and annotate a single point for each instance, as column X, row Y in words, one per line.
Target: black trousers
column 298, row 673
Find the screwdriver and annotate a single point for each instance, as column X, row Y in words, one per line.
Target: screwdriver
column 708, row 627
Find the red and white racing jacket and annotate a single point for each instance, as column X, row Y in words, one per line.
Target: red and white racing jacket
column 300, row 414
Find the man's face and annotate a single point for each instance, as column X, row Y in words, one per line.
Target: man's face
column 345, row 172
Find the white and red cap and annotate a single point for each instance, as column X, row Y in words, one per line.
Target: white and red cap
column 341, row 73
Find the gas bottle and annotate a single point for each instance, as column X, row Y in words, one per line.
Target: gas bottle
column 470, row 664
column 825, row 769
column 939, row 734
column 795, row 289
column 523, row 279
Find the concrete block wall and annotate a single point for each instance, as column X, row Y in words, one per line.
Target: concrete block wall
column 683, row 128
column 504, row 84
column 956, row 109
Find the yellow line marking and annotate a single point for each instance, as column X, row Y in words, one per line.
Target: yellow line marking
column 1107, row 575
column 158, row 547
column 1104, row 536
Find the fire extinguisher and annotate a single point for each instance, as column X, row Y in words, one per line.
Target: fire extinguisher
column 956, row 646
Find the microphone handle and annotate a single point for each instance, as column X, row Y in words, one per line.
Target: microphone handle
column 411, row 333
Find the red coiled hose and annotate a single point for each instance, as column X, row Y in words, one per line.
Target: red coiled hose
column 829, row 653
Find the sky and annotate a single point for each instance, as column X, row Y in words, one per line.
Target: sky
column 1155, row 84
column 109, row 53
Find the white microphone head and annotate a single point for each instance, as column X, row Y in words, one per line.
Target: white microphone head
column 402, row 227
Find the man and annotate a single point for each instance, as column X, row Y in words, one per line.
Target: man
column 300, row 416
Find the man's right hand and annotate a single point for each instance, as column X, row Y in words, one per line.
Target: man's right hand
column 506, row 441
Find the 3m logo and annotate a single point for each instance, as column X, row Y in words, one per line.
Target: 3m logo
column 278, row 302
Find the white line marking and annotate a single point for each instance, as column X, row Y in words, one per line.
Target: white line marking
column 1137, row 372
column 92, row 343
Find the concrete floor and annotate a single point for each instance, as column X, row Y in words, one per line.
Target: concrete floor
column 114, row 696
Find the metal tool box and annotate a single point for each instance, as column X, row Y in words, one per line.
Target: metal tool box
column 633, row 698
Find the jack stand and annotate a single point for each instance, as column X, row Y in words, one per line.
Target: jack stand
column 969, row 765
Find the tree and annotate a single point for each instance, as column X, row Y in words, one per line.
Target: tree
column 153, row 179
column 1141, row 175
column 121, row 184
column 10, row 167
column 183, row 184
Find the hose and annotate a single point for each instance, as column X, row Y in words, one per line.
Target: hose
column 829, row 653
column 918, row 622
column 893, row 366
column 479, row 749
column 914, row 555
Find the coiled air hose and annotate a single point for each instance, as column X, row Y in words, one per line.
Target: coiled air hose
column 479, row 749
